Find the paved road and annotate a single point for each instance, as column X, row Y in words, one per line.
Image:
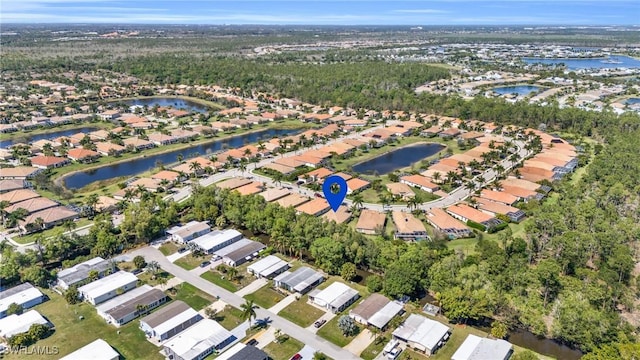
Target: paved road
column 306, row 337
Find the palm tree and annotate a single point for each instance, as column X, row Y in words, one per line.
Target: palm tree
column 39, row 223
column 470, row 185
column 92, row 201
column 162, row 281
column 436, row 177
column 248, row 311
column 232, row 273
column 195, row 167
column 357, row 201
column 3, row 212
column 242, row 166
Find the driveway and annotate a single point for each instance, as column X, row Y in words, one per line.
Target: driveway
column 274, row 320
column 360, row 342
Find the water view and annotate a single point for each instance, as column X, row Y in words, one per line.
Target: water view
column 521, row 90
column 610, row 62
column 139, row 165
column 397, row 159
column 173, row 102
column 632, row 101
column 28, row 138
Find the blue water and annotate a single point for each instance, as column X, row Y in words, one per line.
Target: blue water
column 140, row 165
column 632, row 101
column 173, row 102
column 520, row 89
column 28, row 138
column 577, row 64
column 397, row 159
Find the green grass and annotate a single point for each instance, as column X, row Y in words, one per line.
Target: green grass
column 216, row 278
column 331, row 332
column 265, row 297
column 284, row 350
column 301, row 313
column 190, row 261
column 230, row 317
column 55, row 231
column 193, row 296
column 148, row 278
column 168, row 248
column 29, row 133
column 71, row 333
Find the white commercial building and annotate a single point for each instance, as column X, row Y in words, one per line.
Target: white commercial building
column 108, row 287
column 25, row 295
column 198, row 341
column 217, row 240
column 97, row 350
column 336, row 297
column 169, row 321
column 422, row 334
column 477, row 348
column 18, row 324
column 268, row 267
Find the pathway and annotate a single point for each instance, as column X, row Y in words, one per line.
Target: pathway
column 253, row 287
column 283, row 304
column 360, row 342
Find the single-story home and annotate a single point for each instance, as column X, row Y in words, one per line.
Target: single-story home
column 15, row 324
column 420, row 182
column 422, row 334
column 268, row 267
column 25, row 295
column 49, row 162
column 108, row 287
column 217, row 240
column 301, row 281
column 189, row 231
column 19, row 172
column 128, row 306
column 336, row 297
column 169, row 320
column 447, row 224
column 243, row 254
column 50, row 217
column 242, row 351
column 97, row 350
column 79, row 274
column 477, row 348
column 198, row 341
column 82, row 155
column 375, row 310
column 371, row 221
column 408, row 227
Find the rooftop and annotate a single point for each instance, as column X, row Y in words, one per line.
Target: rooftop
column 97, row 350
column 198, row 338
column 370, row 220
column 406, row 223
column 421, row 330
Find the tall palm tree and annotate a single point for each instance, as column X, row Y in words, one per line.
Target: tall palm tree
column 436, row 177
column 92, row 201
column 248, row 311
column 357, row 201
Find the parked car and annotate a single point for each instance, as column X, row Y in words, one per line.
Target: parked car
column 296, row 357
column 136, row 271
column 205, row 263
column 252, row 342
column 319, row 323
column 318, row 195
column 393, row 354
column 182, row 249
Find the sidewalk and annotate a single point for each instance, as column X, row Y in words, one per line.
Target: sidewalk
column 283, row 304
column 254, row 286
column 361, row 342
column 176, row 256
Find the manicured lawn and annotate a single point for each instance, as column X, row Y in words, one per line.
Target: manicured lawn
column 284, row 350
column 230, row 318
column 55, row 231
column 216, row 278
column 331, row 332
column 190, row 261
column 168, row 248
column 375, row 348
column 193, row 296
column 148, row 278
column 301, row 313
column 265, row 297
column 72, row 333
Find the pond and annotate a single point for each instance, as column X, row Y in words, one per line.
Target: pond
column 28, row 138
column 632, row 101
column 139, row 165
column 176, row 103
column 611, row 62
column 521, row 90
column 398, row 158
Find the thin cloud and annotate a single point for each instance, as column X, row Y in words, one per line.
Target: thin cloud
column 421, row 11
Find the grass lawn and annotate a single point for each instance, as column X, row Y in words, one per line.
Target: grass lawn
column 168, row 248
column 230, row 318
column 146, row 277
column 331, row 332
column 190, row 261
column 55, row 231
column 284, row 350
column 301, row 313
column 71, row 333
column 193, row 296
column 265, row 297
column 216, row 278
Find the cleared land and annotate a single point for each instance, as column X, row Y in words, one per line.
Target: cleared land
column 192, row 296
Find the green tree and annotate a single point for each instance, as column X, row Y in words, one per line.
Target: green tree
column 329, row 254
column 139, row 262
column 248, row 311
column 347, row 325
column 374, row 283
column 499, row 330
column 72, row 296
column 14, row 308
column 348, row 271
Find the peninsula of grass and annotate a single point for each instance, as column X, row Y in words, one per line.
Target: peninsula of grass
column 190, row 261
column 215, row 278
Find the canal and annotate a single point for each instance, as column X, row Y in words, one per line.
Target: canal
column 139, row 165
column 176, row 103
column 398, row 158
column 28, row 138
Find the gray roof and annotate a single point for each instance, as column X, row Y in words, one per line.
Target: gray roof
column 81, row 271
column 161, row 316
column 232, row 247
column 477, row 348
column 130, row 306
column 245, row 251
column 249, row 353
column 382, row 317
column 299, row 279
column 370, row 306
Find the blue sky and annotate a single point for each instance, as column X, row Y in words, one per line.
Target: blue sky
column 346, row 12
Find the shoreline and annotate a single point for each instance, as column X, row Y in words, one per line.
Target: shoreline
column 196, row 100
column 60, row 179
column 444, row 147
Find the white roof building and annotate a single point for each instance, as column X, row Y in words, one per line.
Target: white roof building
column 80, row 272
column 376, row 310
column 189, row 231
column 169, row 321
column 301, row 280
column 198, row 341
column 97, row 350
column 477, row 348
column 233, row 247
column 25, row 295
column 336, row 297
column 268, row 267
column 421, row 333
column 216, row 240
column 106, row 288
column 18, row 324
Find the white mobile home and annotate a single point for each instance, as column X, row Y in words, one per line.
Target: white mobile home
column 108, row 287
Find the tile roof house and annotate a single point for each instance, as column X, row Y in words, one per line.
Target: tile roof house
column 19, row 172
column 50, row 217
column 408, row 227
column 315, row 207
column 466, row 213
column 109, row 149
column 82, row 155
column 370, row 222
column 32, row 205
column 495, row 208
column 499, row 196
column 48, row 162
column 446, row 224
column 420, row 182
column 400, row 190
column 356, row 184
column 19, row 195
column 341, row 216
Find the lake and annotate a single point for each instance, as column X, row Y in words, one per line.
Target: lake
column 397, row 159
column 632, row 101
column 611, row 62
column 173, row 102
column 521, row 90
column 28, row 138
column 139, row 165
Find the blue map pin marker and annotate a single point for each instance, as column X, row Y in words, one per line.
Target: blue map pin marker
column 334, row 200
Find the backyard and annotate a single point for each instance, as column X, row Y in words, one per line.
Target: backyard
column 168, row 248
column 230, row 317
column 78, row 325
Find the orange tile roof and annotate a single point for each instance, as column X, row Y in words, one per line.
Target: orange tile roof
column 233, row 183
column 495, row 207
column 521, row 183
column 48, row 160
column 283, row 169
column 314, row 207
column 345, row 176
column 407, row 223
column 520, row 192
column 419, row 180
column 443, row 221
column 369, row 220
column 292, row 200
column 32, row 205
column 15, row 196
column 320, row 173
column 356, row 184
column 79, row 154
column 400, row 189
column 469, row 213
column 498, row 196
column 341, row 216
column 166, row 175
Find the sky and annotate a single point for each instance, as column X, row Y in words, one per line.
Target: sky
column 322, row 12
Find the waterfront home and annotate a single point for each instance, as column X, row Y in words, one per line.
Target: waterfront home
column 477, row 348
column 162, row 139
column 420, row 182
column 49, row 217
column 422, row 334
column 109, row 114
column 138, row 143
column 19, row 173
column 11, row 185
column 110, row 149
column 376, row 310
column 82, row 155
column 48, row 162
